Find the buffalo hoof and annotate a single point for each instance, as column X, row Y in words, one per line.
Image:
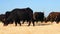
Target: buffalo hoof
column 28, row 25
column 5, row 25
column 57, row 22
column 20, row 24
column 33, row 25
column 15, row 25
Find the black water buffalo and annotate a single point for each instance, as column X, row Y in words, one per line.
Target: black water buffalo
column 38, row 16
column 52, row 16
column 7, row 14
column 18, row 15
column 2, row 17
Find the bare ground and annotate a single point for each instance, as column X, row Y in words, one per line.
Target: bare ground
column 40, row 28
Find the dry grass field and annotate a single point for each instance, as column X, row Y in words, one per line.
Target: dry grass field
column 40, row 28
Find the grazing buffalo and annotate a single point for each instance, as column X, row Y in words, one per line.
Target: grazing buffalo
column 7, row 14
column 18, row 15
column 2, row 17
column 52, row 16
column 38, row 16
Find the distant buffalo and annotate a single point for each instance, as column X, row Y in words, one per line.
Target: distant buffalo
column 58, row 18
column 53, row 16
column 18, row 15
column 39, row 16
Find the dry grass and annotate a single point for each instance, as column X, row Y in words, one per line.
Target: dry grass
column 44, row 28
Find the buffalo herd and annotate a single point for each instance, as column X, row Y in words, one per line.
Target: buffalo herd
column 26, row 14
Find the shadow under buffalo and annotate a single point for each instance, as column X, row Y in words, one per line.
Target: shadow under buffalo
column 42, row 24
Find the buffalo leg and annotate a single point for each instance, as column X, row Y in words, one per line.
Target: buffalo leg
column 19, row 23
column 29, row 23
column 15, row 23
column 33, row 23
column 57, row 22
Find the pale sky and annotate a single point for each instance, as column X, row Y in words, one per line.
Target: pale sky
column 36, row 5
